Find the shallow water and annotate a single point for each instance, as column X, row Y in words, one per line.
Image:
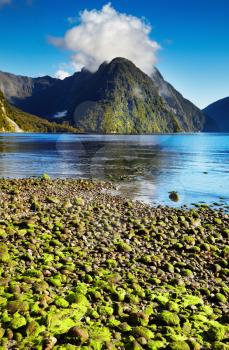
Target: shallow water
column 194, row 165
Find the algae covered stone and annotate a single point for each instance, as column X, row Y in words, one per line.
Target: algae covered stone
column 17, row 306
column 79, row 333
column 104, row 274
column 61, row 302
column 179, row 345
column 143, row 332
column 174, row 196
column 17, row 321
column 4, row 254
column 98, row 336
column 217, row 332
column 169, row 318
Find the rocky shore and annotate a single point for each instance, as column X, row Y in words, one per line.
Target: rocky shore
column 81, row 269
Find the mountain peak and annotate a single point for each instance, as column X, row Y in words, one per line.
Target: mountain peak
column 118, row 61
column 121, row 60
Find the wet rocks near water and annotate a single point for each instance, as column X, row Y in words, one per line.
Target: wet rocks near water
column 174, row 196
column 80, row 269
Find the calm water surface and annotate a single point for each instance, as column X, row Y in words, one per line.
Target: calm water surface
column 197, row 166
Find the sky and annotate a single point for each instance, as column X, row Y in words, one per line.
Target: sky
column 188, row 41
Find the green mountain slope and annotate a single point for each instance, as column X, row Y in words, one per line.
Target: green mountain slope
column 15, row 120
column 120, row 98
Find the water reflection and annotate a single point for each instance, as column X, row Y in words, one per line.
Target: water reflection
column 146, row 167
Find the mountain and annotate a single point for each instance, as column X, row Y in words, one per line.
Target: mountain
column 122, row 98
column 14, row 120
column 118, row 98
column 218, row 115
column 190, row 117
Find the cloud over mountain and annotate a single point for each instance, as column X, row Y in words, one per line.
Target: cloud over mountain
column 61, row 74
column 103, row 35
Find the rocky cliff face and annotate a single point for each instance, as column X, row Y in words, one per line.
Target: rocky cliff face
column 190, row 117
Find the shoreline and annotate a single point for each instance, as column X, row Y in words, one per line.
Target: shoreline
column 82, row 269
column 188, row 133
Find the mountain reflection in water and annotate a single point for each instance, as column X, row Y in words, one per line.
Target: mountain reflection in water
column 145, row 167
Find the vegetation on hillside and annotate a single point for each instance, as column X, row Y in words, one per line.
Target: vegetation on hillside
column 13, row 119
column 125, row 100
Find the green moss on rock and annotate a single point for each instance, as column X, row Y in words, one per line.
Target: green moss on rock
column 169, row 318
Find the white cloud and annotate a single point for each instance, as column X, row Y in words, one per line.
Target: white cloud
column 103, row 35
column 5, row 2
column 60, row 114
column 137, row 92
column 61, row 74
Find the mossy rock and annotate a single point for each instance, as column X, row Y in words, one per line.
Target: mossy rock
column 179, row 345
column 61, row 302
column 55, row 281
column 2, row 332
column 216, row 333
column 220, row 346
column 53, row 200
column 98, row 336
column 17, row 321
column 17, row 306
column 172, row 306
column 106, row 310
column 188, row 273
column 143, row 332
column 79, row 333
column 3, row 302
column 139, row 318
column 33, row 329
column 77, row 298
column 155, row 344
column 79, row 201
column 220, row 297
column 174, row 196
column 191, row 300
column 4, row 254
column 60, row 321
column 45, row 177
column 124, row 247
column 169, row 318
column 3, row 233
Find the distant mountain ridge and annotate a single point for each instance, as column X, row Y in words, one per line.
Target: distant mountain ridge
column 218, row 114
column 117, row 98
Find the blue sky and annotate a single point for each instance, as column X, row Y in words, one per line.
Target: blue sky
column 193, row 35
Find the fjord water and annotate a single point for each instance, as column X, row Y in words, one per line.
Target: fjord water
column 146, row 167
